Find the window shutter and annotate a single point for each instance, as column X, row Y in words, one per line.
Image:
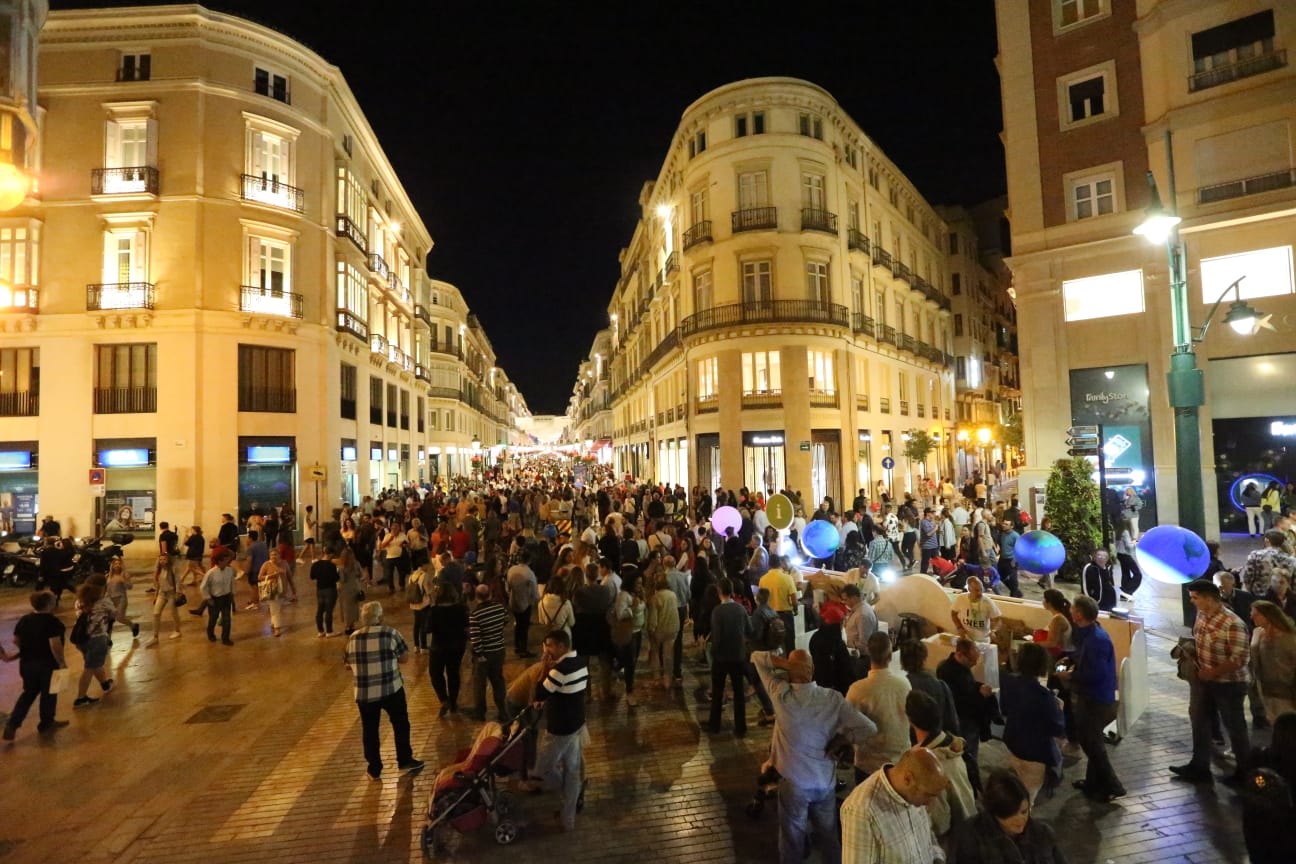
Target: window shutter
column 151, row 143
column 110, row 258
column 255, row 275
column 139, row 257
column 112, row 145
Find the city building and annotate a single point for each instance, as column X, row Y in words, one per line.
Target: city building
column 589, row 410
column 1096, row 93
column 799, row 342
column 217, row 268
column 987, row 380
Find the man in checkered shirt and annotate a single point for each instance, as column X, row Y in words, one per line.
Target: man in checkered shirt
column 374, row 654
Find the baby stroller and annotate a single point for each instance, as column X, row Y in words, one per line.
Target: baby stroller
column 465, row 794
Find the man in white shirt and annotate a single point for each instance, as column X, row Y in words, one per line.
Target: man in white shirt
column 845, row 527
column 861, row 623
column 760, row 521
column 960, row 515
column 974, row 614
column 885, row 821
column 881, row 698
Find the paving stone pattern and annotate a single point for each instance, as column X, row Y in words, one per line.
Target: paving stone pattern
column 134, row 780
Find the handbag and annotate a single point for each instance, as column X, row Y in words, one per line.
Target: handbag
column 180, row 599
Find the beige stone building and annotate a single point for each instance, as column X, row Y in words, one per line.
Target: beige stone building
column 217, row 291
column 782, row 318
column 589, row 411
column 1095, row 94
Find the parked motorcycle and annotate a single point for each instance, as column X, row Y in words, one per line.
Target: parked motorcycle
column 19, row 565
column 92, row 556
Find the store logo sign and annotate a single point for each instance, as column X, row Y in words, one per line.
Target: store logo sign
column 1282, row 430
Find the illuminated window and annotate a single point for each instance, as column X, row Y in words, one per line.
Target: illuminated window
column 19, row 256
column 823, row 379
column 761, row 372
column 1268, row 273
column 708, row 382
column 270, row 163
column 1104, row 296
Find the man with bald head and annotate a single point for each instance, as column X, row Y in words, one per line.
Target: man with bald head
column 807, row 719
column 486, row 638
column 885, row 821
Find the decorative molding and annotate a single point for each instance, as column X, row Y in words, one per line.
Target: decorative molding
column 18, row 322
column 123, row 320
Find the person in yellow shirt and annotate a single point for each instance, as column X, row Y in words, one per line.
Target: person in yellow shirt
column 782, row 588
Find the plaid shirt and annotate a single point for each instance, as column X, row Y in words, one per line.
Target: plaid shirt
column 1221, row 637
column 1263, row 565
column 880, row 827
column 374, row 653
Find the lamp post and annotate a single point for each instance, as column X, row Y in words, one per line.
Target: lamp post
column 1185, row 383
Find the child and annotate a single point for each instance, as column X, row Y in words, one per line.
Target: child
column 118, row 584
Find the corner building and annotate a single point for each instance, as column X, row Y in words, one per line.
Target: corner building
column 1096, row 93
column 220, row 281
column 782, row 316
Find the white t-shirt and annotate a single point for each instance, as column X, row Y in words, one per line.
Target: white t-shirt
column 976, row 615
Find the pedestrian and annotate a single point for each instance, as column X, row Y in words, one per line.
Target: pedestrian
column 447, row 624
column 418, row 596
column 98, row 612
column 591, row 632
column 217, row 589
column 350, row 589
column 270, row 587
column 555, row 611
column 523, row 594
column 957, row 803
column 626, row 620
column 1033, row 721
column 166, row 592
column 324, row 573
column 809, row 721
column 194, row 544
column 913, row 660
column 1008, row 538
column 1131, row 506
column 257, row 554
column 1092, row 682
column 486, row 638
column 39, row 637
column 1273, row 659
column 975, row 615
column 885, row 820
column 1005, row 831
column 560, row 760
column 662, row 626
column 971, row 701
column 881, row 698
column 118, row 585
column 1099, row 582
column 374, row 654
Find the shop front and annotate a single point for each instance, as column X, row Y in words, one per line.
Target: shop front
column 129, row 502
column 764, row 461
column 375, row 468
column 1116, row 398
column 864, row 461
column 708, row 456
column 825, row 465
column 19, row 498
column 349, row 489
column 267, row 474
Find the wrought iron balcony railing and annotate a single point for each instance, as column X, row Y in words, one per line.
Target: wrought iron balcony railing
column 111, row 296
column 818, row 220
column 1237, row 71
column 862, row 323
column 140, row 180
column 266, row 301
column 699, row 233
column 857, row 241
column 377, row 265
column 21, row 403
column 765, row 311
column 755, row 219
column 276, row 193
column 125, row 400
column 350, row 230
column 349, row 322
column 1247, row 186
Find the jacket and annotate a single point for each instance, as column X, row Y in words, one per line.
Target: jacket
column 1094, row 677
column 981, row 841
column 1034, row 720
column 957, row 803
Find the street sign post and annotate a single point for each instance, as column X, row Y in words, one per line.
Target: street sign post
column 778, row 507
column 1087, row 441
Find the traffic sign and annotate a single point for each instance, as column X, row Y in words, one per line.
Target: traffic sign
column 318, row 473
column 97, row 483
column 778, row 507
column 888, row 463
column 1080, row 431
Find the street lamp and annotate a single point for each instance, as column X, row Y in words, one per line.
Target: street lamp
column 1185, row 382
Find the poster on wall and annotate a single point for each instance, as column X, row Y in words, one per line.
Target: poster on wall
column 128, row 510
column 1116, row 397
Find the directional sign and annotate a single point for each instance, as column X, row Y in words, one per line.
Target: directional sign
column 778, row 508
column 888, row 463
column 1080, row 431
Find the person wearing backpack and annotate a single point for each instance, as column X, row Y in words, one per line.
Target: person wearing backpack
column 418, row 597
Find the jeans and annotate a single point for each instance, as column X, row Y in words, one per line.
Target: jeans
column 421, row 617
column 222, row 607
column 325, row 602
column 560, row 762
column 1205, row 699
column 927, row 556
column 628, row 656
column 800, row 809
column 36, row 684
column 521, row 629
column 1008, row 573
column 677, row 671
column 736, row 672
column 398, row 714
column 490, row 667
column 789, row 631
column 1091, row 718
column 443, row 669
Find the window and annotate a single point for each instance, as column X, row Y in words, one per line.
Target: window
column 958, row 325
column 817, row 282
column 392, row 401
column 1088, row 96
column 873, row 177
column 812, row 192
column 352, row 300
column 1103, row 296
column 1091, row 196
column 348, row 392
column 125, row 258
column 753, row 190
column 19, row 382
column 900, row 316
column 758, row 283
column 960, row 367
column 267, row 379
column 420, row 409
column 134, row 67
column 347, row 143
column 953, row 244
column 1268, row 274
column 352, row 208
column 703, row 297
column 375, row 400
column 1068, row 13
column 880, row 306
column 269, row 263
column 699, row 207
column 740, row 126
column 760, row 372
column 404, row 409
column 708, row 383
column 758, row 122
column 697, row 144
column 1238, row 49
column 810, row 126
column 858, row 296
column 822, row 378
column 271, row 84
column 853, row 216
column 125, row 378
column 956, row 282
column 1246, row 161
column 270, row 160
column 19, row 256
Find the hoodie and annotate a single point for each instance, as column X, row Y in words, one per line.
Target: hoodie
column 957, row 803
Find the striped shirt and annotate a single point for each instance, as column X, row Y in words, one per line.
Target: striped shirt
column 563, row 691
column 486, row 628
column 374, row 653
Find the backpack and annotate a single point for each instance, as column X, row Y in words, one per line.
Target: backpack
column 80, row 630
column 414, row 591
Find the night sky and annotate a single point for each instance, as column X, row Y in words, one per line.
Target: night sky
column 523, row 131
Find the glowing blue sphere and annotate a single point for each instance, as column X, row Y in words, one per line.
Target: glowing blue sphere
column 1039, row 552
column 724, row 518
column 820, row 538
column 1171, row 554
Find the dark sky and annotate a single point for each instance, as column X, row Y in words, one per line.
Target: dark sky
column 524, row 130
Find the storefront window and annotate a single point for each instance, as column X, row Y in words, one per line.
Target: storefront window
column 19, row 503
column 267, row 474
column 129, row 502
column 763, row 461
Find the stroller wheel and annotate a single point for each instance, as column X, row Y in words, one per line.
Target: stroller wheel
column 756, row 807
column 506, row 832
column 506, row 804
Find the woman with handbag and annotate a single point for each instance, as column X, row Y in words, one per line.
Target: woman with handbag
column 350, row 589
column 270, row 585
column 627, row 617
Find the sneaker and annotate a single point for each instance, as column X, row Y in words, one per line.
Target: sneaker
column 374, row 776
column 175, row 635
column 411, row 765
column 1191, row 773
column 83, row 701
column 48, row 729
column 106, row 685
column 227, row 641
column 319, row 635
column 134, row 631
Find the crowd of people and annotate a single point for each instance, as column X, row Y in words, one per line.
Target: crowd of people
column 623, row 581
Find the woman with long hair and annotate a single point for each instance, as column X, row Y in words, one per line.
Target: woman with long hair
column 1273, row 658
column 629, row 616
column 447, row 624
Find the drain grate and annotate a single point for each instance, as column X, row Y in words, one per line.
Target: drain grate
column 216, row 714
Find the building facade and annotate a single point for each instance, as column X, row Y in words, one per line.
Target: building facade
column 589, row 410
column 1096, row 93
column 798, row 342
column 216, row 274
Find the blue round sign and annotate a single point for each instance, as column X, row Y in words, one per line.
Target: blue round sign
column 888, row 463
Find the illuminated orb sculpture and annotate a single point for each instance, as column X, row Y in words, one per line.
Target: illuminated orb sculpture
column 820, row 539
column 1039, row 552
column 1171, row 554
column 724, row 518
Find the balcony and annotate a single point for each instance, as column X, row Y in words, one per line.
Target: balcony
column 823, row 399
column 448, row 350
column 755, row 219
column 268, row 400
column 350, row 230
column 856, row 241
column 818, row 220
column 443, row 392
column 1247, row 186
column 708, row 404
column 904, row 407
column 140, row 180
column 905, row 342
column 125, row 400
column 884, row 404
column 348, row 322
column 266, row 301
column 378, row 265
column 1237, row 71
column 395, row 287
column 20, row 298
column 672, row 263
column 901, row 271
column 22, row 403
column 862, row 401
column 263, row 190
column 422, row 374
column 763, row 399
column 862, row 323
column 881, row 258
column 699, row 233
column 664, row 347
column 378, row 345
column 108, row 297
column 765, row 312
column 421, row 314
column 887, row 334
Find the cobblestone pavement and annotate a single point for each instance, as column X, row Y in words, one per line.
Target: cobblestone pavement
column 252, row 753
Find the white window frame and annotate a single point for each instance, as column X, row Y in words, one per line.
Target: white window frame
column 708, row 380
column 1111, row 101
column 762, row 373
column 822, row 371
column 818, row 285
column 703, row 290
column 753, row 189
column 19, row 261
column 1089, row 178
column 757, row 280
column 273, row 73
column 814, row 194
column 1104, row 10
column 262, row 138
